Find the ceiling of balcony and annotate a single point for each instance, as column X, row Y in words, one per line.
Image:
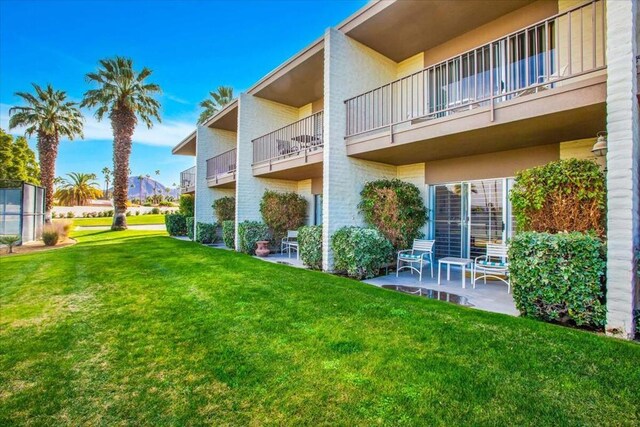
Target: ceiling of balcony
column 226, row 119
column 402, row 28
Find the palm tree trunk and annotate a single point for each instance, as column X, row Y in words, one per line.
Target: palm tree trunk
column 47, row 154
column 123, row 122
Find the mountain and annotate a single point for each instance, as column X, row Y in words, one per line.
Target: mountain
column 147, row 188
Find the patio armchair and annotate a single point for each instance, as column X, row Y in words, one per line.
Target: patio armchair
column 414, row 258
column 494, row 264
column 290, row 242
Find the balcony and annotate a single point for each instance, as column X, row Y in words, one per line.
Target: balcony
column 221, row 170
column 554, row 67
column 292, row 152
column 188, row 180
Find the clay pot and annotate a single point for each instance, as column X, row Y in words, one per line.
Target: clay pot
column 262, row 250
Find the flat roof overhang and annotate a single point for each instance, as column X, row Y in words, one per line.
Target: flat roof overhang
column 572, row 112
column 424, row 23
column 294, row 168
column 186, row 147
column 225, row 119
column 297, row 82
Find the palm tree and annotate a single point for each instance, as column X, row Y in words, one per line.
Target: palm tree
column 107, row 178
column 49, row 116
column 140, row 178
column 78, row 189
column 126, row 97
column 219, row 99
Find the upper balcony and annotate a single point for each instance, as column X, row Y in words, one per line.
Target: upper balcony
column 221, row 170
column 539, row 84
column 292, row 152
column 188, row 180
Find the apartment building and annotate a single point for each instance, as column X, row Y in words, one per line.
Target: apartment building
column 453, row 96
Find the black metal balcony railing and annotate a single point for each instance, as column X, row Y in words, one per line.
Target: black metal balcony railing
column 534, row 58
column 188, row 179
column 222, row 164
column 297, row 139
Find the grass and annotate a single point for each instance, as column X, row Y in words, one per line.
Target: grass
column 137, row 328
column 131, row 220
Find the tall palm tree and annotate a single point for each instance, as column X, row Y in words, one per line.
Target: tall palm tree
column 49, row 116
column 140, row 178
column 77, row 189
column 217, row 100
column 107, row 178
column 122, row 93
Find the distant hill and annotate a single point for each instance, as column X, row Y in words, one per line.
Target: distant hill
column 147, row 188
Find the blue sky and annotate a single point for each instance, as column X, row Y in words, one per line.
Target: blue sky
column 191, row 46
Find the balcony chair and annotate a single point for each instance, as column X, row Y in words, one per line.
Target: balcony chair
column 286, row 147
column 290, row 242
column 494, row 264
column 414, row 258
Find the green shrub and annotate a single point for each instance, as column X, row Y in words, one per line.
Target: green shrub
column 165, row 203
column 282, row 212
column 229, row 234
column 562, row 196
column 225, row 209
column 310, row 246
column 50, row 235
column 190, row 222
column 360, row 252
column 176, row 224
column 187, row 203
column 10, row 240
column 127, row 213
column 395, row 208
column 155, row 211
column 559, row 277
column 70, row 215
column 250, row 232
column 205, row 233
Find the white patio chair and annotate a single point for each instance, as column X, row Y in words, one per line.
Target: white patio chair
column 494, row 264
column 421, row 252
column 290, row 242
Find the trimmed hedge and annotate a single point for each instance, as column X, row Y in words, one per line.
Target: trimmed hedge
column 176, row 224
column 205, row 233
column 360, row 252
column 395, row 208
column 310, row 246
column 225, row 209
column 187, row 204
column 282, row 212
column 190, row 221
column 250, row 232
column 559, row 277
column 229, row 233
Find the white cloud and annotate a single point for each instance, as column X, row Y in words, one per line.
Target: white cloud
column 166, row 134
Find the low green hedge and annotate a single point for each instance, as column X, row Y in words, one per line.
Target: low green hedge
column 250, row 232
column 310, row 246
column 229, row 233
column 190, row 221
column 176, row 224
column 360, row 252
column 559, row 277
column 205, row 233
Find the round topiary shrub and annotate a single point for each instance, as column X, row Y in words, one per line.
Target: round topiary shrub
column 360, row 252
column 225, row 209
column 395, row 208
column 562, row 196
column 282, row 212
column 229, row 234
column 310, row 246
column 250, row 232
column 559, row 277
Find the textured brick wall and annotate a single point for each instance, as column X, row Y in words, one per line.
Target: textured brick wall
column 209, row 142
column 350, row 68
column 623, row 157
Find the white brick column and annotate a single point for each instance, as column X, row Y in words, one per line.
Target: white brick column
column 623, row 199
column 209, row 142
column 257, row 117
column 350, row 69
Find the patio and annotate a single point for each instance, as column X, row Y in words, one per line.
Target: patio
column 491, row 296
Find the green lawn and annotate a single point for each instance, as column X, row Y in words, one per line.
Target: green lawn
column 131, row 220
column 134, row 327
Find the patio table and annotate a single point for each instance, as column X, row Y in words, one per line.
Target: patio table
column 462, row 262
